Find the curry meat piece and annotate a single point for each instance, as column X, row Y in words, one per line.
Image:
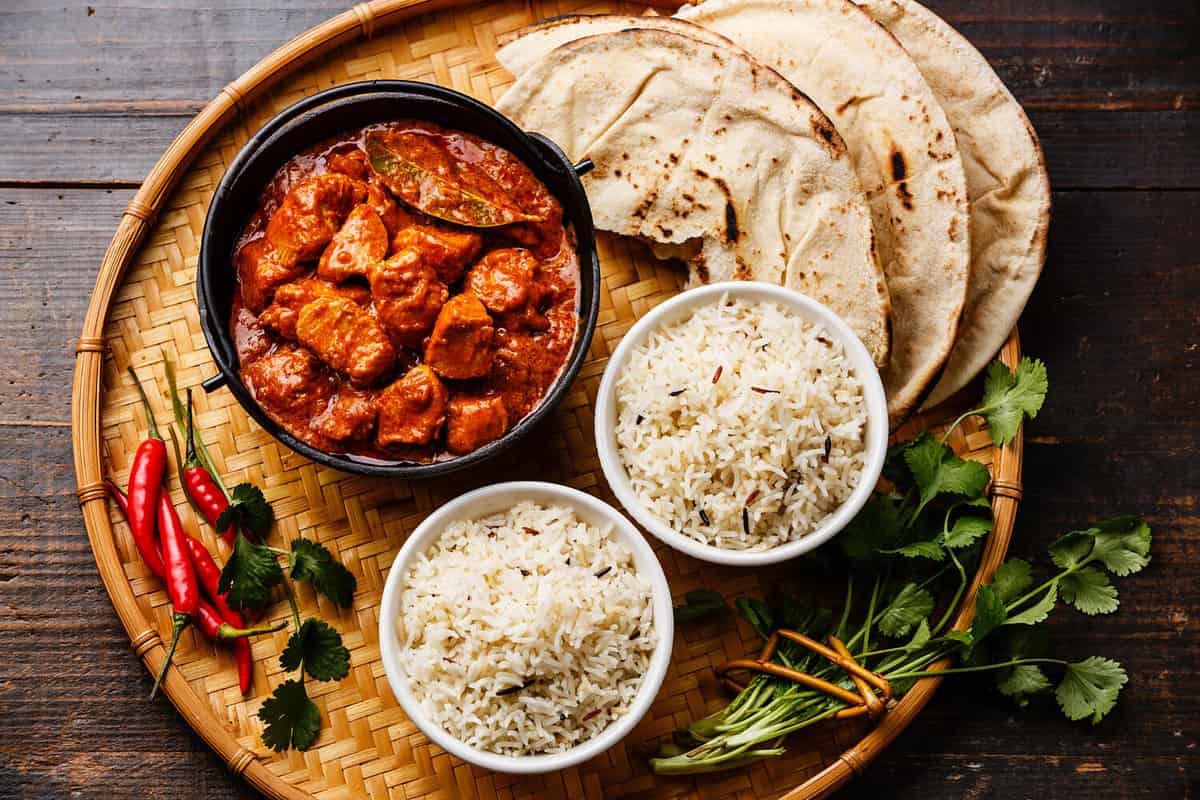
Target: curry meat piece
column 354, row 164
column 351, row 162
column 503, row 280
column 311, row 214
column 447, row 250
column 347, row 338
column 472, row 422
column 412, row 409
column 350, row 415
column 282, row 314
column 290, row 381
column 460, row 345
column 408, row 296
column 380, row 200
column 261, row 270
column 360, row 242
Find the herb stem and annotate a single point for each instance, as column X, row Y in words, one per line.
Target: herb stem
column 841, row 628
column 291, row 596
column 962, row 585
column 1016, row 662
column 1035, row 592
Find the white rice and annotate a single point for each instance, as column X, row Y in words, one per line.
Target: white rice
column 753, row 462
column 532, row 597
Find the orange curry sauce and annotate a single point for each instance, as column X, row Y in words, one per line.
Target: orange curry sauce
column 368, row 328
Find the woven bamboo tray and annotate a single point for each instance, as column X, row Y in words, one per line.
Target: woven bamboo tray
column 144, row 307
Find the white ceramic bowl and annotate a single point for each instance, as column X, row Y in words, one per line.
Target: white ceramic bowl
column 491, row 500
column 675, row 310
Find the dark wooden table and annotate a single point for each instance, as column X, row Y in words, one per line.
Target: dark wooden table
column 89, row 98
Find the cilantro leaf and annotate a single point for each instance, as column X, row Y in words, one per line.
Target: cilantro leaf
column 910, row 605
column 312, row 562
column 961, row 637
column 1038, row 611
column 292, row 719
column 929, row 549
column 757, row 614
column 1021, row 681
column 249, row 510
column 967, row 530
column 1008, row 397
column 875, row 527
column 989, row 614
column 700, row 604
column 1122, row 545
column 937, row 470
column 249, row 575
column 1090, row 591
column 1090, row 688
column 919, row 638
column 319, row 648
column 894, row 468
column 1073, row 548
column 1011, row 579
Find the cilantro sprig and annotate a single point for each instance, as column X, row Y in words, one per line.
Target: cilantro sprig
column 249, row 510
column 1009, row 397
column 315, row 647
column 917, row 543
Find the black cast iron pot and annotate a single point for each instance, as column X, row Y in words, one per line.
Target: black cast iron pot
column 346, row 108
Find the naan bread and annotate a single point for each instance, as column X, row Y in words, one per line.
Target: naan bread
column 902, row 148
column 709, row 154
column 1007, row 184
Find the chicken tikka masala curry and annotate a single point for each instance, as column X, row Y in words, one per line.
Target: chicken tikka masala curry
column 405, row 293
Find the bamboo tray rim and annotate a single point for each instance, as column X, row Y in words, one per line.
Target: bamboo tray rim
column 364, row 20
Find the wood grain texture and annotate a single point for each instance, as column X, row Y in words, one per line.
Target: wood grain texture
column 1115, row 318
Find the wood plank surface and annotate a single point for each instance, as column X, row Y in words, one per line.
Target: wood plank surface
column 89, row 99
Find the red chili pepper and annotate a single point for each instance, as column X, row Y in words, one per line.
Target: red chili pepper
column 210, row 575
column 145, row 486
column 199, row 484
column 156, row 566
column 217, row 629
column 210, row 617
column 182, row 586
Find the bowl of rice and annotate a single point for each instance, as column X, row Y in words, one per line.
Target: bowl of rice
column 526, row 627
column 741, row 423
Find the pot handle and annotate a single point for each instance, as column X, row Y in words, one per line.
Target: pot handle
column 210, row 385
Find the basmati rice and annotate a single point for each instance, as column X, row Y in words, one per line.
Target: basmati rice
column 742, row 426
column 525, row 632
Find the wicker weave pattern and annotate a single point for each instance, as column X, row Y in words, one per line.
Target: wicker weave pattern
column 367, row 747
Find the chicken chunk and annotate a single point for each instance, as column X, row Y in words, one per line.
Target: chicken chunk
column 354, row 164
column 282, row 314
column 445, row 249
column 351, row 162
column 408, row 296
column 503, row 280
column 311, row 214
column 412, row 410
column 460, row 345
column 289, row 380
column 382, row 203
column 261, row 270
column 472, row 422
column 350, row 415
column 347, row 338
column 359, row 243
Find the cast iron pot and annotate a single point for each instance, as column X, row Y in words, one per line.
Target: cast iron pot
column 345, row 108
